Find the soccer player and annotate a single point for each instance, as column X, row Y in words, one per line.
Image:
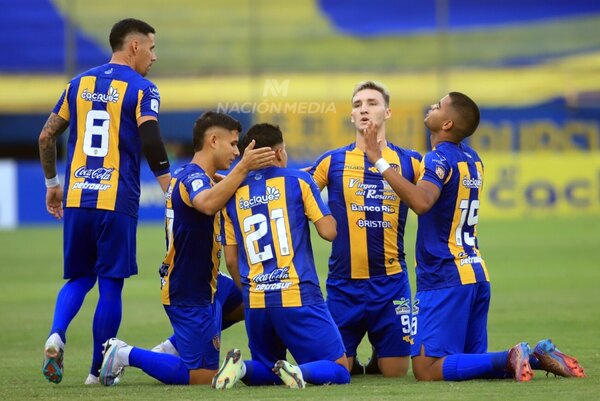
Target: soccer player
column 190, row 268
column 268, row 249
column 453, row 291
column 112, row 111
column 367, row 287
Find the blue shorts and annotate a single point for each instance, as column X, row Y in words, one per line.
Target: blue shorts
column 452, row 320
column 99, row 242
column 308, row 332
column 228, row 294
column 197, row 334
column 379, row 306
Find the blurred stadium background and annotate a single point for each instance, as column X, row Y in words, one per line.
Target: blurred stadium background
column 534, row 68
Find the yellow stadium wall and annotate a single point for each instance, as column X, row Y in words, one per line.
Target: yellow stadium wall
column 536, row 184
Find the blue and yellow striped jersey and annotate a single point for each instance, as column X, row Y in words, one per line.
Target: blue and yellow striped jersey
column 268, row 221
column 447, row 250
column 103, row 151
column 189, row 271
column 369, row 214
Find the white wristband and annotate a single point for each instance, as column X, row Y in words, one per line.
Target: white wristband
column 52, row 182
column 381, row 165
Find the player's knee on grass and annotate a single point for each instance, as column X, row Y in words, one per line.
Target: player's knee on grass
column 394, row 366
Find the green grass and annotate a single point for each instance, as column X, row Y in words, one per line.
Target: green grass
column 544, row 282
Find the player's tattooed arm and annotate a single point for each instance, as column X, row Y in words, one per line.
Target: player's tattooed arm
column 54, row 126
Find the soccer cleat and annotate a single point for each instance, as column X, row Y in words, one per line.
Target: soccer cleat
column 53, row 363
column 290, row 375
column 230, row 371
column 554, row 361
column 518, row 362
column 112, row 367
column 91, row 380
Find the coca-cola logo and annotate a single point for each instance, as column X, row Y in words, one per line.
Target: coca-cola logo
column 275, row 275
column 102, row 173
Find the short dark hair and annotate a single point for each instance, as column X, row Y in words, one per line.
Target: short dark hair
column 212, row 119
column 468, row 111
column 123, row 28
column 265, row 135
column 375, row 86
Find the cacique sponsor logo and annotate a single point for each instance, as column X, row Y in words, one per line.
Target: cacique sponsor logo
column 270, row 195
column 472, row 182
column 112, row 96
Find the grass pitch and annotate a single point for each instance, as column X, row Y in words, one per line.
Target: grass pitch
column 544, row 283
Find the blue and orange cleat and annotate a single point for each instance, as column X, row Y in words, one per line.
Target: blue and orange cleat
column 53, row 363
column 554, row 361
column 518, row 362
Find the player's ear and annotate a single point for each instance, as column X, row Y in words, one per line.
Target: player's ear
column 448, row 125
column 388, row 113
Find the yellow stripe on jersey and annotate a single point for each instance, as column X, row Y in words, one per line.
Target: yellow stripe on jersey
column 321, row 172
column 216, row 254
column 311, row 208
column 112, row 160
column 466, row 272
column 257, row 298
column 359, row 262
column 390, row 235
column 416, row 165
column 83, row 107
column 282, row 242
column 185, row 196
column 229, row 232
column 169, row 258
column 138, row 107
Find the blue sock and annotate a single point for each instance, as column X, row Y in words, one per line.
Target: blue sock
column 475, row 366
column 165, row 368
column 324, row 372
column 68, row 302
column 107, row 318
column 259, row 374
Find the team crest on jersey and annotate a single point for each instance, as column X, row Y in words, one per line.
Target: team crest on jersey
column 196, row 185
column 440, row 172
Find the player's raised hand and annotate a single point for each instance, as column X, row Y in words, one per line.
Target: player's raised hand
column 254, row 159
column 54, row 198
column 371, row 142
